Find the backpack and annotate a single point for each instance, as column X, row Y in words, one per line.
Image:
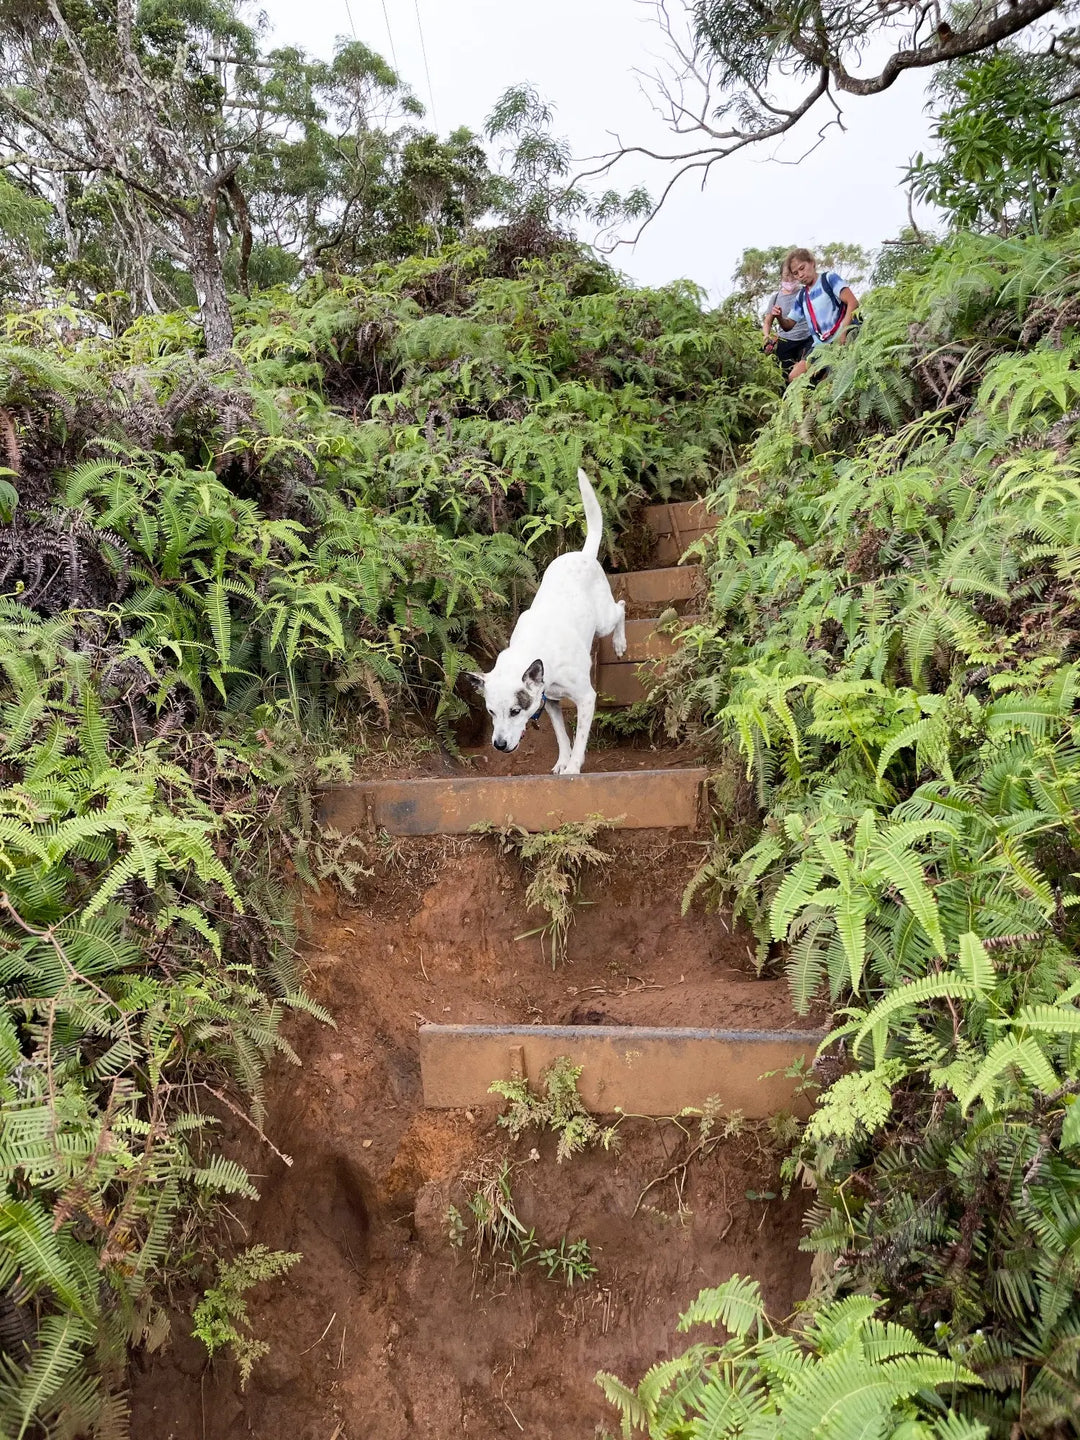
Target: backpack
column 853, row 324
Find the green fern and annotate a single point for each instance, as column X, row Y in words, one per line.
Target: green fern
column 847, row 1375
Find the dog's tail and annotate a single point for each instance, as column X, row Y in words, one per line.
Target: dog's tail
column 594, row 517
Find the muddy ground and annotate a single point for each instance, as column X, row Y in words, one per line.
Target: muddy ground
column 385, row 1330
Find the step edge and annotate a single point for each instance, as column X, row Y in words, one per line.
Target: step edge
column 699, row 772
column 614, row 1032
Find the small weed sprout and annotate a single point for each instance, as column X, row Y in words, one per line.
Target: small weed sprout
column 325, row 855
column 498, row 1234
column 456, row 1229
column 558, row 1108
column 221, row 1316
column 556, row 860
column 570, row 1260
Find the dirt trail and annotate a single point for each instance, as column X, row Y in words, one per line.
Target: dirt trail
column 381, row 1330
column 384, row 1331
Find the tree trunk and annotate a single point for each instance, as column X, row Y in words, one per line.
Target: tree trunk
column 236, row 195
column 10, row 441
column 209, row 280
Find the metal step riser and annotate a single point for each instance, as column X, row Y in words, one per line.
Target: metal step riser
column 643, row 642
column 636, row 1069
column 633, row 799
column 677, row 518
column 670, row 548
column 659, row 587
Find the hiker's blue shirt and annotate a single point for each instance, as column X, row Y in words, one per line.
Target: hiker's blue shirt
column 825, row 312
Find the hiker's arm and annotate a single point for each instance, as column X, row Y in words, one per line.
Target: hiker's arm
column 784, row 321
column 850, row 302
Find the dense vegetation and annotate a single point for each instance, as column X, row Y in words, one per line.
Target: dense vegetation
column 224, row 575
column 893, row 649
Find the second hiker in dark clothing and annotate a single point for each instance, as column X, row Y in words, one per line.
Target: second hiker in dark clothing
column 797, row 344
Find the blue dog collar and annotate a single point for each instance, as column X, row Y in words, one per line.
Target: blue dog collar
column 535, row 716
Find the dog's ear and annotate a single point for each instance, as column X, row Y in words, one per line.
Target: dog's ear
column 474, row 680
column 534, row 675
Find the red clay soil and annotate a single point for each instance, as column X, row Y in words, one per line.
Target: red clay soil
column 536, row 753
column 383, row 1332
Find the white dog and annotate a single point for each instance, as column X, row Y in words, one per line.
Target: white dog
column 549, row 657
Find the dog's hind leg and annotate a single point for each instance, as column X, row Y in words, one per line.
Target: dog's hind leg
column 618, row 634
column 586, row 708
column 611, row 618
column 558, row 724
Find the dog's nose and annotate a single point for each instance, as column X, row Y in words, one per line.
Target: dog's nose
column 499, row 744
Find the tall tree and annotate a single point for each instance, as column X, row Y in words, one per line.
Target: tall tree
column 360, row 179
column 537, row 164
column 174, row 151
column 161, row 107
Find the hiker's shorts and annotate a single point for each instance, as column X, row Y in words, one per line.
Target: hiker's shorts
column 790, row 352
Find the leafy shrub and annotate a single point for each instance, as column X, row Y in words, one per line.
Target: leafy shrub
column 555, row 861
column 221, row 1316
column 498, row 1235
column 558, row 1107
column 845, row 1375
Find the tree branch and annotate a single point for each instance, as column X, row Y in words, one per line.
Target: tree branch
column 948, row 45
column 704, row 158
column 71, row 160
column 339, row 234
column 739, row 88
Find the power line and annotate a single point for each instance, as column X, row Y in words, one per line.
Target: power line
column 423, row 52
column 352, row 22
column 390, row 37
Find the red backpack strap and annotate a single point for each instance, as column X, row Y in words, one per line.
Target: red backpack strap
column 808, row 307
column 808, row 311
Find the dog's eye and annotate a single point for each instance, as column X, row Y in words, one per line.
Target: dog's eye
column 515, row 711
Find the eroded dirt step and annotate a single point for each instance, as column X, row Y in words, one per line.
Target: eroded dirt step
column 676, row 527
column 630, row 799
column 674, row 585
column 382, row 1331
column 631, row 1068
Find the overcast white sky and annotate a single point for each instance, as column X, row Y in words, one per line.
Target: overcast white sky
column 581, row 56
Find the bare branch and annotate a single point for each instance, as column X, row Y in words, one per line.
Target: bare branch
column 703, row 159
column 729, row 102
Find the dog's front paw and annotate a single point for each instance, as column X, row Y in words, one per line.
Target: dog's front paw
column 569, row 769
column 619, row 646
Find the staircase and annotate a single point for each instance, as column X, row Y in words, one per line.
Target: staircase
column 637, row 1069
column 649, row 594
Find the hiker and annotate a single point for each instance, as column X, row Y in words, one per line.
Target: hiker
column 791, row 348
column 825, row 301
